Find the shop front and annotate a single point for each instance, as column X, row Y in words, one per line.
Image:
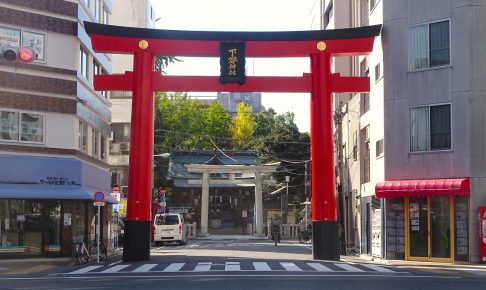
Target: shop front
column 426, row 220
column 46, row 204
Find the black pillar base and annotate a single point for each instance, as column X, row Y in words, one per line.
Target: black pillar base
column 136, row 244
column 325, row 240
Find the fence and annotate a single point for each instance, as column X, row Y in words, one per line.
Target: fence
column 287, row 231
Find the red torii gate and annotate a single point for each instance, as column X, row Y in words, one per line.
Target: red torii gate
column 319, row 45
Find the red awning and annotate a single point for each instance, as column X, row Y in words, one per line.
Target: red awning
column 427, row 187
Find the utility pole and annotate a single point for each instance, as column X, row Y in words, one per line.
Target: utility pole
column 342, row 210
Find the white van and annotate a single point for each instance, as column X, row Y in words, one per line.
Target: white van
column 169, row 227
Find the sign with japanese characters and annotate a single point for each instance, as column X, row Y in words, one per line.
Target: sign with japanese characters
column 232, row 62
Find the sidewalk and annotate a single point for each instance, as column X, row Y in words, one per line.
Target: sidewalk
column 30, row 266
column 414, row 264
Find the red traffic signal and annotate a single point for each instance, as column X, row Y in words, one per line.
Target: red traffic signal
column 26, row 54
column 23, row 54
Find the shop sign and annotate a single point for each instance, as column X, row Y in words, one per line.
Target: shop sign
column 232, row 62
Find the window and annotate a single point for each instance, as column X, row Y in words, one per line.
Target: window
column 103, row 148
column 83, row 63
column 365, row 97
column 96, row 69
column 429, row 45
column 379, row 148
column 94, row 142
column 9, row 128
column 105, row 15
column 21, row 127
column 430, row 128
column 328, row 14
column 366, row 172
column 97, row 10
column 355, row 145
column 83, row 136
column 372, row 4
column 32, row 127
column 378, row 72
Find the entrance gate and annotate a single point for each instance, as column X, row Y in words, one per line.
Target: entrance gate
column 319, row 45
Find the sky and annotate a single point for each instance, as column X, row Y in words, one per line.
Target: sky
column 243, row 15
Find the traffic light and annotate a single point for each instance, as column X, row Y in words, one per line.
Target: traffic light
column 20, row 54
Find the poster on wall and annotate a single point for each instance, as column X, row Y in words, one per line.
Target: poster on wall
column 376, row 233
column 10, row 37
column 36, row 41
column 67, row 218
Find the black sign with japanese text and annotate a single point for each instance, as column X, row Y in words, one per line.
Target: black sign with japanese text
column 232, row 62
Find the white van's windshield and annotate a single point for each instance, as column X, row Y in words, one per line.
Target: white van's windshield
column 168, row 220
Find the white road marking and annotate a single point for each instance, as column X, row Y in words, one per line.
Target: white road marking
column 174, row 267
column 232, row 266
column 348, row 268
column 290, row 266
column 144, row 268
column 115, row 263
column 203, row 266
column 114, row 269
column 378, row 268
column 261, row 266
column 319, row 267
column 86, row 269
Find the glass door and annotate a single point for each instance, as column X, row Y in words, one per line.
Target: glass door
column 418, row 227
column 430, row 229
column 440, row 227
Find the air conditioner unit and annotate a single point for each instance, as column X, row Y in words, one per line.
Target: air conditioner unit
column 124, row 146
column 115, row 148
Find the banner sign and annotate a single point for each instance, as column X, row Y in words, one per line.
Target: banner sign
column 232, row 62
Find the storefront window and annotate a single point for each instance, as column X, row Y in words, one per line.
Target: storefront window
column 461, row 233
column 29, row 227
column 395, row 228
column 79, row 226
column 51, row 222
column 11, row 218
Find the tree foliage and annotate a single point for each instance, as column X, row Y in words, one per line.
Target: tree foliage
column 243, row 125
column 185, row 123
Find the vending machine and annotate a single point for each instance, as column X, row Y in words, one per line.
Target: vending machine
column 482, row 234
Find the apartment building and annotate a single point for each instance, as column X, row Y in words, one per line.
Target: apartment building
column 54, row 128
column 418, row 136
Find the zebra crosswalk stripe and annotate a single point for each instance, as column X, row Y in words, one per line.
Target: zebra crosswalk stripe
column 174, row 267
column 232, row 266
column 319, row 267
column 261, row 266
column 348, row 268
column 144, row 268
column 203, row 266
column 378, row 268
column 86, row 269
column 115, row 269
column 290, row 266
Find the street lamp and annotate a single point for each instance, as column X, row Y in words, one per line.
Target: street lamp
column 285, row 201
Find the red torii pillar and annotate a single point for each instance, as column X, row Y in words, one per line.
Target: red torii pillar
column 320, row 46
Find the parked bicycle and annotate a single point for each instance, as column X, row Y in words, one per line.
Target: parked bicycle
column 305, row 236
column 81, row 254
column 93, row 250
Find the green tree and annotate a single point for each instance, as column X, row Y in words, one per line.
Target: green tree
column 243, row 125
column 216, row 123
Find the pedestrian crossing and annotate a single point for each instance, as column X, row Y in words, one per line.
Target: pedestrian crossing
column 235, row 266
